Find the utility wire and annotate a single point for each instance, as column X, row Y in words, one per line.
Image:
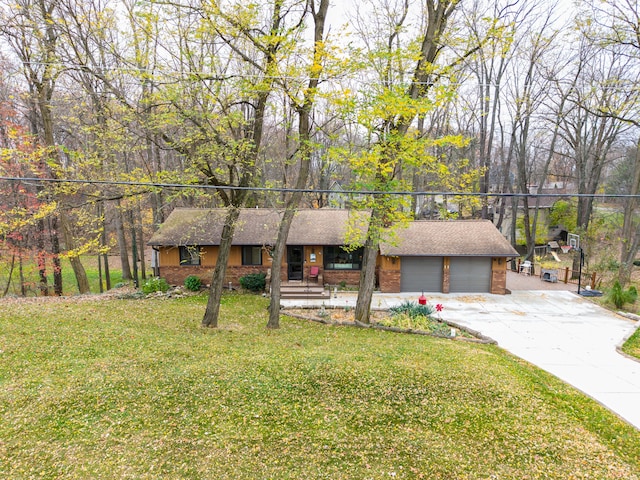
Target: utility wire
column 313, row 190
column 176, row 74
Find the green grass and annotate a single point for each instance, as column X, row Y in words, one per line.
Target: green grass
column 137, row 389
column 69, row 284
column 90, row 265
column 632, row 345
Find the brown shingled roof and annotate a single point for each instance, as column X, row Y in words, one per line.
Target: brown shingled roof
column 196, row 226
column 457, row 238
column 256, row 226
column 190, row 226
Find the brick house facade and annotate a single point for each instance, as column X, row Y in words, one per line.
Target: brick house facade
column 187, row 244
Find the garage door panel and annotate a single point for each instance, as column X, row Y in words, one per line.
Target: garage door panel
column 421, row 274
column 470, row 274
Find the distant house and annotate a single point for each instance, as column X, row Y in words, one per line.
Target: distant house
column 544, row 204
column 339, row 198
column 429, row 256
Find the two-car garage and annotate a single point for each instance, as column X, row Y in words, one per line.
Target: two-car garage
column 426, row 274
column 468, row 256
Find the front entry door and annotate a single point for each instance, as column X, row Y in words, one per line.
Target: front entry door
column 295, row 260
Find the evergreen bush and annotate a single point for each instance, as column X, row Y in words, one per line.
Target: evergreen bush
column 412, row 309
column 192, row 283
column 254, row 282
column 619, row 297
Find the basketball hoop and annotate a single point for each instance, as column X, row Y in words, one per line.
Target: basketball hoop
column 573, row 240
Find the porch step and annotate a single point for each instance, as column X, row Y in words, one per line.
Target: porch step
column 301, row 295
column 304, row 291
column 301, row 288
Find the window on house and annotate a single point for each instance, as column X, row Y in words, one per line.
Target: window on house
column 190, row 255
column 336, row 258
column 251, row 255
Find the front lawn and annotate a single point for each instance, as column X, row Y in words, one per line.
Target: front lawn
column 137, row 389
column 632, row 345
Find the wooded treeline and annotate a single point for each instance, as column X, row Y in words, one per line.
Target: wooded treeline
column 387, row 95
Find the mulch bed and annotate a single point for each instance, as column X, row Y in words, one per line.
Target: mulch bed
column 339, row 316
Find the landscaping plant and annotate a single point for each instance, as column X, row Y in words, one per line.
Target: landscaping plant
column 413, row 316
column 192, row 283
column 254, row 282
column 619, row 297
column 412, row 309
column 155, row 284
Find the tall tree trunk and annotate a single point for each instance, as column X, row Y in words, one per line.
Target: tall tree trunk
column 99, row 208
column 38, row 38
column 438, row 14
column 122, row 243
column 515, row 202
column 631, row 226
column 8, row 285
column 507, row 186
column 76, row 264
column 42, row 259
column 55, row 251
column 277, row 255
column 534, row 229
column 44, row 100
column 100, row 275
column 212, row 312
column 105, row 256
column 107, row 273
column 368, row 272
column 140, row 231
column 23, row 289
column 134, row 248
column 245, row 170
column 304, row 127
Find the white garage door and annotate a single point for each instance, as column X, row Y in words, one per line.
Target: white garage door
column 421, row 274
column 470, row 274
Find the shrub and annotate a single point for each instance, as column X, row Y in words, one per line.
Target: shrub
column 412, row 309
column 155, row 284
column 619, row 297
column 192, row 283
column 613, row 265
column 426, row 324
column 632, row 293
column 254, row 282
column 608, row 263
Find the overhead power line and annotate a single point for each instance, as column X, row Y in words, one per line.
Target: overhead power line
column 312, row 190
column 175, row 74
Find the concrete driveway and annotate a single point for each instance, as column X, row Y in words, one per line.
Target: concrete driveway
column 564, row 334
column 560, row 332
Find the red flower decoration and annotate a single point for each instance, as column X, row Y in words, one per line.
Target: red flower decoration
column 439, row 307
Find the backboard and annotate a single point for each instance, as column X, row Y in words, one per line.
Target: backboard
column 573, row 240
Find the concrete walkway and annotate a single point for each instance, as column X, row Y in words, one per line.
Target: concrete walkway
column 560, row 332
